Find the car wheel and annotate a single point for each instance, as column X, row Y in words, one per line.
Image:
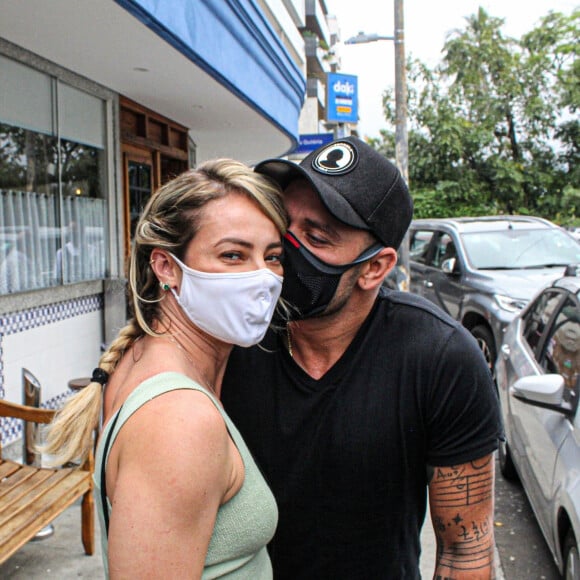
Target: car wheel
column 485, row 341
column 506, row 464
column 571, row 558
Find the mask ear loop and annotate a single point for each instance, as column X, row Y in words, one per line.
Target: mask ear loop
column 326, row 268
column 368, row 253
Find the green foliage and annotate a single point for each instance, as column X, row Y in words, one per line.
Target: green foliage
column 444, row 203
column 494, row 127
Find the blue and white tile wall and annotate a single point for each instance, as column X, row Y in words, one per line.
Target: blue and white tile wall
column 55, row 343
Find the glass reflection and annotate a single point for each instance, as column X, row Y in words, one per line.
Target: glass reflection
column 47, row 238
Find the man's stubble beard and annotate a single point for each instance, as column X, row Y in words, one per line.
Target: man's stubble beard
column 343, row 292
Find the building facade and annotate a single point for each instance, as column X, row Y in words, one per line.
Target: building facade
column 321, row 33
column 101, row 101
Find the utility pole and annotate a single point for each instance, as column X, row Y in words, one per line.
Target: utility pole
column 401, row 145
column 401, row 136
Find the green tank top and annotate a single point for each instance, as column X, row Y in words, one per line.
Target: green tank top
column 244, row 525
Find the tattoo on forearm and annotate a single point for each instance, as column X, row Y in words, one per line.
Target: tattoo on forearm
column 472, row 547
column 462, row 522
column 453, row 487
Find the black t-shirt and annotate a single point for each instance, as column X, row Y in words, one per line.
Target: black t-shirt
column 346, row 455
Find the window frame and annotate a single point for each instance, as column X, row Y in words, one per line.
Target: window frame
column 110, row 187
column 537, row 349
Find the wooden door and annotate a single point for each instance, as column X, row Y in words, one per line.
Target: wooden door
column 139, row 184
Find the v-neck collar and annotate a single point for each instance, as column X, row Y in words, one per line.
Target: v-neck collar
column 333, row 375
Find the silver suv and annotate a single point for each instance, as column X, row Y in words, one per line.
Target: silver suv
column 484, row 270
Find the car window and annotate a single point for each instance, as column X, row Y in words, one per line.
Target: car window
column 562, row 347
column 520, row 248
column 419, row 245
column 536, row 319
column 444, row 249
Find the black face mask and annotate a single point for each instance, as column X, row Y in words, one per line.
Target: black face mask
column 309, row 283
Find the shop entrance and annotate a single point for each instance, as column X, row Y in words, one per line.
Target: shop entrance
column 138, row 171
column 155, row 150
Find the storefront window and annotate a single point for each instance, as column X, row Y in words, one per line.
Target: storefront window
column 83, row 211
column 52, row 194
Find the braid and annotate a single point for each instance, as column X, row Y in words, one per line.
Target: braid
column 125, row 339
column 69, row 436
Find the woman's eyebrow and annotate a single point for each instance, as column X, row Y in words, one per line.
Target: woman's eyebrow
column 238, row 241
column 246, row 243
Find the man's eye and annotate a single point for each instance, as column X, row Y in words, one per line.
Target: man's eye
column 316, row 240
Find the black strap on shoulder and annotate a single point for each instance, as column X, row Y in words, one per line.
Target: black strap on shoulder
column 103, row 478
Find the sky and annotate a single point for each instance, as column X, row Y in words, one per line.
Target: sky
column 427, row 23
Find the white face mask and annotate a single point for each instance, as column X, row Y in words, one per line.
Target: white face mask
column 234, row 307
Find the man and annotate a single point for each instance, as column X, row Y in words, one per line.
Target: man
column 366, row 396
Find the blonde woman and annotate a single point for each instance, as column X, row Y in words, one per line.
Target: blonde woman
column 182, row 497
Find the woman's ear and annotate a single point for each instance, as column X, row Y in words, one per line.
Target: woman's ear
column 165, row 268
column 377, row 269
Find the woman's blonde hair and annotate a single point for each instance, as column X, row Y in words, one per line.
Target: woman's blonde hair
column 169, row 221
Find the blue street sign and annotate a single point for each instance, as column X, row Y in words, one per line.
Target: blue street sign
column 312, row 141
column 341, row 98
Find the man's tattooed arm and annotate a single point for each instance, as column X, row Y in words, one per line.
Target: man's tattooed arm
column 461, row 503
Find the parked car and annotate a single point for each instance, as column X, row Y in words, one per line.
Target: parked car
column 484, row 270
column 537, row 374
column 398, row 278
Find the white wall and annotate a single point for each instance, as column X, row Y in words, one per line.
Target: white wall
column 284, row 25
column 309, row 116
column 54, row 353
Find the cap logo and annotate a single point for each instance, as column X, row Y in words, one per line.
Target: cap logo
column 336, row 159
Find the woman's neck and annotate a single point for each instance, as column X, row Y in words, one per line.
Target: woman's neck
column 205, row 355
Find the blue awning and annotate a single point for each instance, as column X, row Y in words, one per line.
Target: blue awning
column 232, row 41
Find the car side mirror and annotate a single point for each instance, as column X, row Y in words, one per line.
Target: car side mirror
column 449, row 266
column 545, row 391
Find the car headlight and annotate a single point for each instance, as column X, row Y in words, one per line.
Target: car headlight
column 510, row 304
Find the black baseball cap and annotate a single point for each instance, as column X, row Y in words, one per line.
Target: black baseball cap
column 358, row 186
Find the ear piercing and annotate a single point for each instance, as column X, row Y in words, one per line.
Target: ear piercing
column 164, row 286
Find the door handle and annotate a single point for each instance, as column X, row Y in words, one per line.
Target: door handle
column 428, row 284
column 505, row 350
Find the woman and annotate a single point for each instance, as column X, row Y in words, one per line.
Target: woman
column 184, row 496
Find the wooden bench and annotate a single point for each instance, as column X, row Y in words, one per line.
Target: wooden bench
column 31, row 497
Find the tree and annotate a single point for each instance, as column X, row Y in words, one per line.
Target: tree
column 493, row 128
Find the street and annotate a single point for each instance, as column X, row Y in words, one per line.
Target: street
column 523, row 552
